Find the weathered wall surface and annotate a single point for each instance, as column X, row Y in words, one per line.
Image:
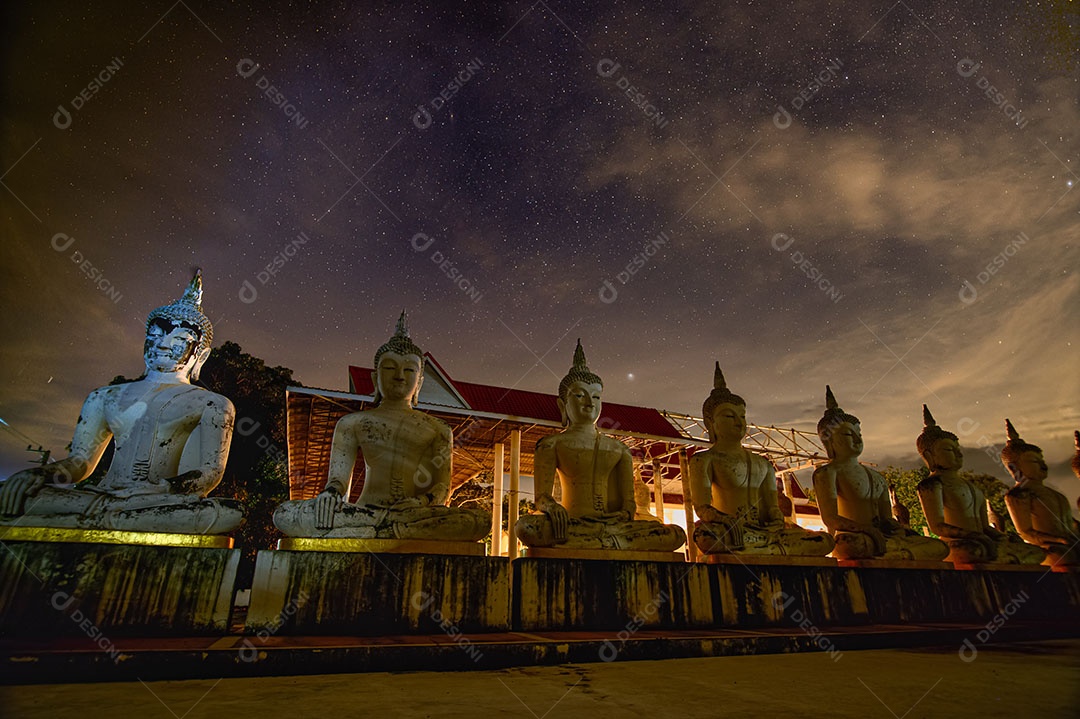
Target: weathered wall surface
column 52, row 589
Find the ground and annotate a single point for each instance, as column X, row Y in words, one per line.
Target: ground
column 1032, row 679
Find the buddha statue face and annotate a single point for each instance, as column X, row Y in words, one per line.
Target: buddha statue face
column 172, row 346
column 1029, row 465
column 582, row 403
column 945, row 454
column 398, row 376
column 845, row 441
column 728, row 422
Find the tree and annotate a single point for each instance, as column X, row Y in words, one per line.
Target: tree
column 257, row 472
column 905, row 482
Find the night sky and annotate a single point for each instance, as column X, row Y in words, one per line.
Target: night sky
column 808, row 196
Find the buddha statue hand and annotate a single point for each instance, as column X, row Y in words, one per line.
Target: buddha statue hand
column 557, row 514
column 408, row 503
column 988, row 543
column 186, row 483
column 327, row 504
column 21, row 486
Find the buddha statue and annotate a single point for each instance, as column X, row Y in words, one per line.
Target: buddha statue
column 854, row 499
column 955, row 508
column 407, row 466
column 172, row 441
column 734, row 490
column 899, row 510
column 596, row 478
column 1041, row 514
column 1076, row 457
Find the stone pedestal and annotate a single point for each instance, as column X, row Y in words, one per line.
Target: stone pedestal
column 569, row 595
column 766, row 560
column 895, row 563
column 606, row 554
column 368, row 594
column 583, row 594
column 113, row 587
column 380, row 546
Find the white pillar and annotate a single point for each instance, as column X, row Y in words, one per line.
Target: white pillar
column 688, row 505
column 515, row 477
column 658, row 488
column 496, row 508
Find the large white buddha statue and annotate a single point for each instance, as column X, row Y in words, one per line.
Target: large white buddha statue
column 955, row 508
column 1041, row 514
column 854, row 499
column 172, row 441
column 408, row 456
column 596, row 475
column 734, row 490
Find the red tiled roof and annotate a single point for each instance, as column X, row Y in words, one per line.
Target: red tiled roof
column 535, row 405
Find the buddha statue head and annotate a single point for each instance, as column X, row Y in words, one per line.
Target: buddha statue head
column 579, row 391
column 1021, row 459
column 723, row 411
column 400, row 352
column 939, row 448
column 839, row 430
column 178, row 335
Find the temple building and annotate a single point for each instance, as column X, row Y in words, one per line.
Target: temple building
column 496, row 428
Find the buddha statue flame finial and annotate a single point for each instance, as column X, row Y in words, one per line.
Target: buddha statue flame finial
column 720, row 395
column 188, row 311
column 579, row 372
column 931, row 432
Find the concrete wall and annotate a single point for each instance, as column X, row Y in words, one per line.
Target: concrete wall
column 103, row 590
column 378, row 594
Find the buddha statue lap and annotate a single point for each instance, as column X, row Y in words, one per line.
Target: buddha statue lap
column 854, row 499
column 407, row 464
column 172, row 441
column 955, row 509
column 596, row 476
column 734, row 490
column 1041, row 514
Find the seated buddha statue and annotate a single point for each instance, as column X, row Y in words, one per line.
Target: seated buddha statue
column 1041, row 514
column 171, row 443
column 854, row 499
column 734, row 490
column 596, row 478
column 407, row 466
column 955, row 508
